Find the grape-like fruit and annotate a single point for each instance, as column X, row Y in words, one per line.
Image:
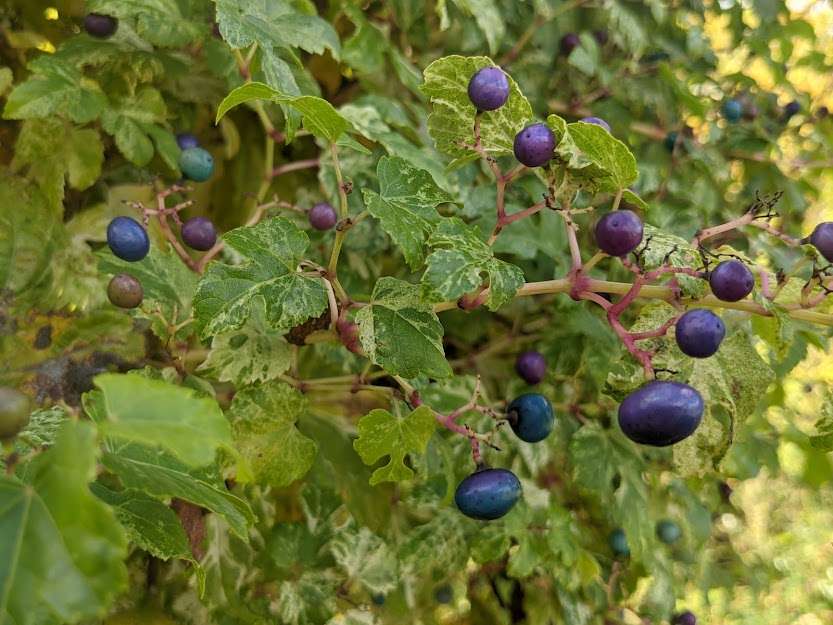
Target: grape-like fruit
column 699, row 333
column 619, row 233
column 598, row 121
column 378, row 599
column 732, row 110
column 534, row 145
column 128, row 239
column 684, row 618
column 822, row 239
column 488, row 494
column 750, row 110
column 100, row 26
column 670, row 140
column 196, row 164
column 186, row 141
column 731, row 281
column 199, row 233
column 125, row 291
column 822, row 112
column 531, row 366
column 568, row 43
column 791, row 109
column 444, row 594
column 601, row 36
column 322, row 216
column 530, row 416
column 489, row 89
column 660, row 413
column 668, row 532
column 14, row 412
column 619, row 543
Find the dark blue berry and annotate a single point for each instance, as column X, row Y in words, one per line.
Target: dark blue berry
column 791, row 109
column 488, row 89
column 684, row 618
column 531, row 366
column 378, row 599
column 444, row 594
column 660, row 413
column 598, row 121
column 619, row 543
column 199, row 233
column 568, row 43
column 534, row 145
column 530, row 416
column 128, row 239
column 196, row 164
column 100, row 26
column 186, row 141
column 732, row 110
column 731, row 281
column 619, row 233
column 322, row 216
column 699, row 333
column 488, row 494
column 822, row 239
column 668, row 532
column 670, row 141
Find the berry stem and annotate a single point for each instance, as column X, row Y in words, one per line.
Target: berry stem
column 286, row 168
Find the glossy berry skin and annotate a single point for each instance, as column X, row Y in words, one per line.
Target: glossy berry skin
column 128, row 239
column 322, row 216
column 444, row 594
column 684, row 618
column 488, row 494
column 199, row 233
column 100, row 26
column 598, row 121
column 732, row 110
column 731, row 281
column 822, row 239
column 568, row 43
column 530, row 416
column 670, row 141
column 196, row 164
column 660, row 413
column 699, row 333
column 186, row 141
column 125, row 291
column 619, row 233
column 791, row 109
column 619, row 543
column 534, row 145
column 488, row 89
column 531, row 366
column 668, row 532
column 14, row 412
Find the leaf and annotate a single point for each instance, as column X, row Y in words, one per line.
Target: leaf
column 159, row 22
column 367, row 559
column 135, row 125
column 823, row 439
column 488, row 18
column 272, row 449
column 590, row 455
column 382, row 434
column 272, row 249
column 401, row 333
column 154, row 412
column 309, row 600
column 659, row 247
column 406, row 205
column 61, row 557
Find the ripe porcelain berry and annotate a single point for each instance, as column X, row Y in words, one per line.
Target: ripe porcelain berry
column 619, row 233
column 822, row 239
column 128, row 239
column 534, row 145
column 489, row 89
column 699, row 333
column 100, row 26
column 619, row 543
column 731, row 281
column 684, row 618
column 199, row 233
column 530, row 416
column 322, row 216
column 598, row 121
column 531, row 366
column 186, row 141
column 196, row 164
column 670, row 141
column 125, row 291
column 660, row 413
column 822, row 112
column 568, row 43
column 792, row 109
column 668, row 532
column 444, row 594
column 488, row 494
column 732, row 110
column 14, row 412
column 378, row 599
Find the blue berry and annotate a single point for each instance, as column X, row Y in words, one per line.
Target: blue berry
column 732, row 110
column 668, row 532
column 186, row 141
column 488, row 494
column 619, row 233
column 531, row 366
column 619, row 543
column 530, row 416
column 731, row 281
column 670, row 141
column 489, row 89
column 128, row 239
column 444, row 594
column 196, row 164
column 378, row 599
column 699, row 333
column 791, row 109
column 822, row 239
column 534, row 145
column 598, row 121
column 661, row 413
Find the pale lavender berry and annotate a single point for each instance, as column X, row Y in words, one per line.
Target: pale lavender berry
column 199, row 233
column 323, row 216
column 534, row 145
column 598, row 121
column 531, row 366
column 489, row 89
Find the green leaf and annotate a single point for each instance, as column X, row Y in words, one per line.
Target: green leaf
column 154, row 412
column 272, row 449
column 401, row 333
column 406, row 205
column 823, row 439
column 590, row 455
column 309, row 600
column 135, row 125
column 62, row 553
column 382, row 434
column 366, row 558
column 659, row 247
column 488, row 18
column 159, row 22
column 272, row 249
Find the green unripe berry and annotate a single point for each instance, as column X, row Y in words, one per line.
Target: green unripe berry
column 14, row 412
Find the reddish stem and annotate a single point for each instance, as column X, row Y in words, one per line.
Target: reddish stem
column 295, row 166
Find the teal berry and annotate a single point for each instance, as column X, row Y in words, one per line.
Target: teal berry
column 196, row 164
column 670, row 141
column 668, row 532
column 619, row 543
column 531, row 417
column 732, row 110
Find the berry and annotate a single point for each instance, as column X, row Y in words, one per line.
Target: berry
column 731, row 281
column 791, row 109
column 488, row 494
column 196, row 164
column 619, row 232
column 125, row 291
column 186, row 141
column 530, row 416
column 822, row 112
column 660, row 413
column 699, row 333
column 732, row 110
column 100, row 26
column 489, row 89
column 619, row 543
column 822, row 239
column 668, row 532
column 601, row 36
column 725, row 490
column 348, row 334
column 444, row 594
column 378, row 599
column 684, row 618
column 750, row 110
column 199, row 233
column 568, row 43
column 531, row 366
column 534, row 145
column 670, row 141
column 14, row 412
column 322, row 216
column 598, row 121
column 128, row 239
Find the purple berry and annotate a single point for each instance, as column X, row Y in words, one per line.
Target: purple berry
column 699, row 333
column 128, row 239
column 489, row 89
column 684, row 618
column 601, row 36
column 660, row 413
column 199, row 233
column 534, row 145
column 568, row 43
column 598, row 121
column 619, row 232
column 731, row 281
column 531, row 366
column 100, row 26
column 125, row 291
column 185, row 141
column 822, row 239
column 791, row 109
column 323, row 216
column 488, row 494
